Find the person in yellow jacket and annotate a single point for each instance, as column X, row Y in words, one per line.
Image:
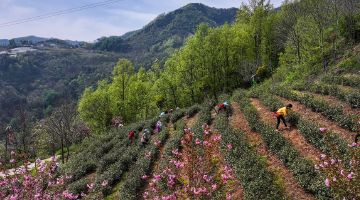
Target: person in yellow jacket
column 281, row 112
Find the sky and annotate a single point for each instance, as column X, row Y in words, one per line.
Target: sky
column 113, row 19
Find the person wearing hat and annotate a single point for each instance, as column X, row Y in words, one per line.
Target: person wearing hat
column 170, row 111
column 222, row 106
column 280, row 115
column 144, row 138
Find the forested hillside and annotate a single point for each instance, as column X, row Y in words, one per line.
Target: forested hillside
column 168, row 32
column 219, row 93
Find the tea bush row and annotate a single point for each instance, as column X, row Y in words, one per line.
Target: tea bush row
column 89, row 158
column 176, row 115
column 353, row 81
column 303, row 169
column 308, row 128
column 128, row 190
column 352, row 96
column 175, row 141
column 256, row 181
column 191, row 111
column 334, row 112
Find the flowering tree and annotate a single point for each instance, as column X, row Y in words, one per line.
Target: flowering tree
column 341, row 175
column 82, row 131
column 193, row 173
column 117, row 121
column 44, row 184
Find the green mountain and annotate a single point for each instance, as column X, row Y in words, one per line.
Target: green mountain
column 34, row 39
column 167, row 32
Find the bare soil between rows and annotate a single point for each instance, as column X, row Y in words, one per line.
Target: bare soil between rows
column 292, row 187
column 293, row 134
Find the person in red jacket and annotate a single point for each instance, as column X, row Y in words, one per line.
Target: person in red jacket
column 170, row 111
column 222, row 106
column 131, row 136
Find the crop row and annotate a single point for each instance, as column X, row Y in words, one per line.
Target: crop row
column 101, row 152
column 306, row 126
column 128, row 190
column 302, row 168
column 353, row 81
column 352, row 96
column 175, row 141
column 334, row 112
column 257, row 182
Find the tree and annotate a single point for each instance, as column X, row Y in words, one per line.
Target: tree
column 319, row 14
column 23, row 134
column 61, row 123
column 12, row 42
column 289, row 24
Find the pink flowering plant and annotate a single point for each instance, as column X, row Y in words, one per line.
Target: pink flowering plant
column 194, row 172
column 20, row 183
column 341, row 173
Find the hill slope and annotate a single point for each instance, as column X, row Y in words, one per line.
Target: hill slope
column 169, row 31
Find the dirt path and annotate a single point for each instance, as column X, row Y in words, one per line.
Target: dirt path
column 332, row 124
column 11, row 172
column 294, row 135
column 291, row 184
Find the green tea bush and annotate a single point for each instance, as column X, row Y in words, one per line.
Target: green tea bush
column 175, row 141
column 79, row 186
column 334, row 112
column 303, row 169
column 190, row 112
column 131, row 185
column 353, row 81
column 244, row 161
column 176, row 115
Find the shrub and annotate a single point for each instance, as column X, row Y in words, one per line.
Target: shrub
column 193, row 110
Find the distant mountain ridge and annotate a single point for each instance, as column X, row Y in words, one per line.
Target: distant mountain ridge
column 167, row 32
column 35, row 39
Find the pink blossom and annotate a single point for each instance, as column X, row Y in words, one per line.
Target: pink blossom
column 38, row 160
column 214, row 187
column 104, row 183
column 332, row 161
column 334, row 179
column 229, row 146
column 12, row 160
column 68, row 177
column 90, row 186
column 228, row 196
column 144, row 177
column 323, row 156
column 154, row 190
column 322, row 129
column 342, row 172
column 325, row 163
column 349, row 176
column 317, row 159
column 12, row 153
column 148, row 155
column 198, row 141
column 53, row 159
column 83, row 195
column 327, row 182
column 321, row 165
